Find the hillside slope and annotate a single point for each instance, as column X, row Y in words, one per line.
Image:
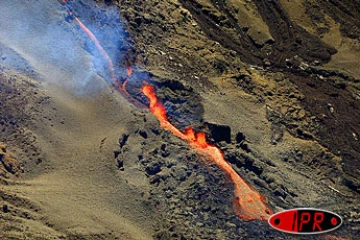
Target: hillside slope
column 274, row 84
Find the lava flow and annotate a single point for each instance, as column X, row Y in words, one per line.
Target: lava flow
column 96, row 41
column 248, row 204
column 115, row 81
column 129, row 72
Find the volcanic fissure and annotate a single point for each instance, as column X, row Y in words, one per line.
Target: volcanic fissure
column 248, row 203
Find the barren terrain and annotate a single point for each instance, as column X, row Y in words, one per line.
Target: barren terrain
column 273, row 84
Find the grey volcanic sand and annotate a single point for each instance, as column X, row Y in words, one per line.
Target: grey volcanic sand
column 81, row 192
column 96, row 167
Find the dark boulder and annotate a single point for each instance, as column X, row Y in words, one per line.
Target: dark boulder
column 240, row 137
column 219, row 132
column 153, row 168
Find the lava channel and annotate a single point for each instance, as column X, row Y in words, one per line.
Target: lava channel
column 248, row 203
column 121, row 88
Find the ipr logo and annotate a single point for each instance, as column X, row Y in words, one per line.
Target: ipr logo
column 305, row 221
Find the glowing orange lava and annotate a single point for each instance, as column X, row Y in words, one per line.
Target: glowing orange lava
column 248, row 204
column 101, row 49
column 129, row 72
column 97, row 43
column 115, row 82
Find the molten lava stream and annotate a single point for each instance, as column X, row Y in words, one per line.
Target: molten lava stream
column 129, row 72
column 96, row 41
column 101, row 49
column 115, row 82
column 248, row 204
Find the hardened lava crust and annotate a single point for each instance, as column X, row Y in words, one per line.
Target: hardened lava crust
column 172, row 119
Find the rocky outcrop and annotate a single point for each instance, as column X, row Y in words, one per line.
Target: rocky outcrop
column 9, row 163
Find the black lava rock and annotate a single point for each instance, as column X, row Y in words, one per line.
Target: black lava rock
column 153, row 168
column 219, row 132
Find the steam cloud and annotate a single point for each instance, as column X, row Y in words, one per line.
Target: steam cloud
column 44, row 35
